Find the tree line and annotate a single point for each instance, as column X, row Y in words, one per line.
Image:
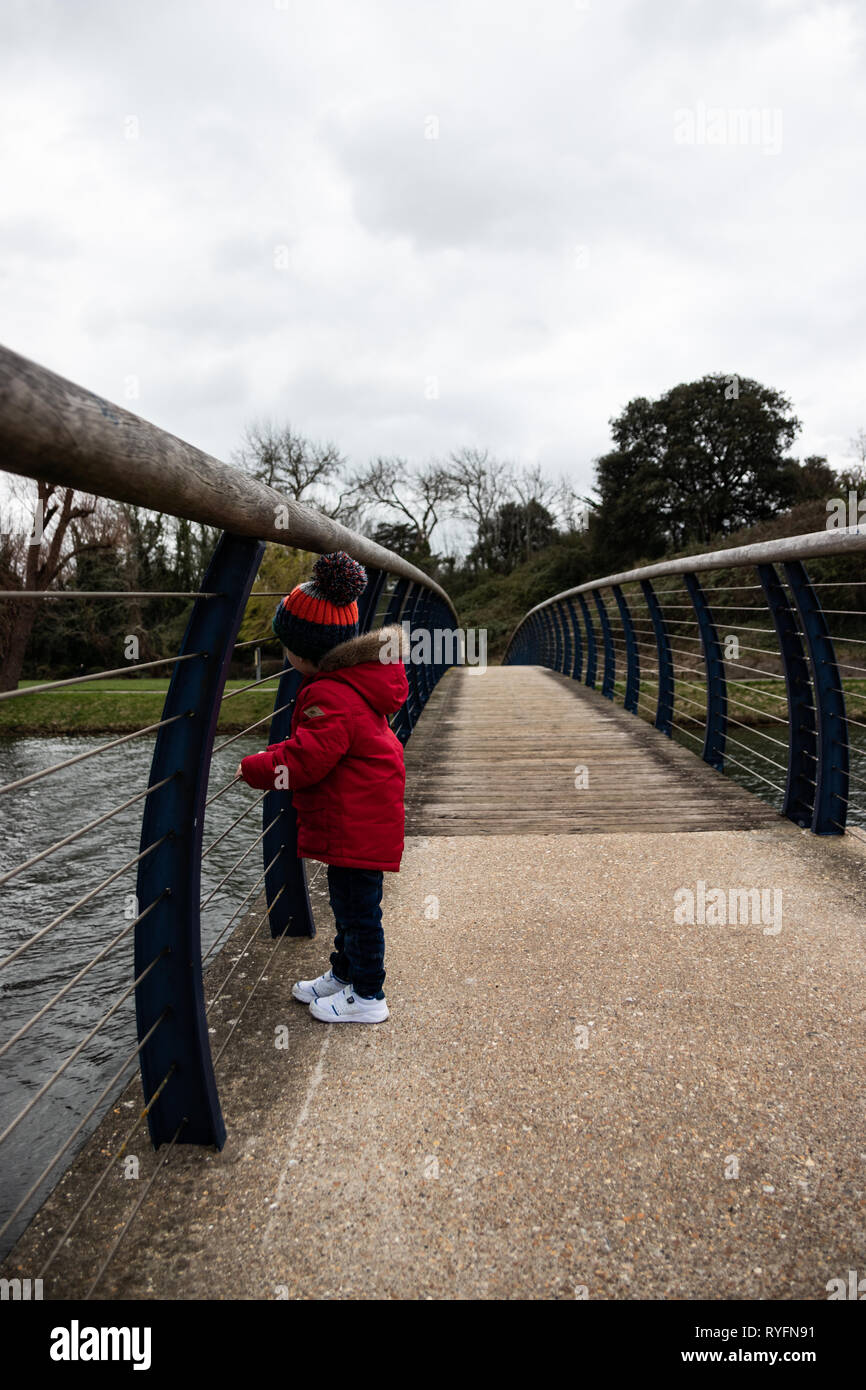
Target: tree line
column 699, row 463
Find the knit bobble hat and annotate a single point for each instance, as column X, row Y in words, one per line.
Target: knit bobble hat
column 320, row 614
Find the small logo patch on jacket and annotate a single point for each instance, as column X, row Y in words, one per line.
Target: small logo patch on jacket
column 313, row 710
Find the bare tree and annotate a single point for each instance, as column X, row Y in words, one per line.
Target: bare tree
column 70, row 523
column 419, row 494
column 858, row 449
column 854, row 477
column 483, row 486
column 300, row 469
column 571, row 508
column 532, row 487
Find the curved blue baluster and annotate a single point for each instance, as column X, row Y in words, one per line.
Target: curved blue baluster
column 831, row 792
column 182, row 753
column 632, row 679
column 715, row 735
column 665, row 706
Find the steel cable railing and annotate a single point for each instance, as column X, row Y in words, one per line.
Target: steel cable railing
column 125, row 671
column 92, row 753
column 68, row 1060
column 721, row 665
column 194, row 893
column 79, row 1131
column 70, row 984
column 80, row 902
column 118, row 1153
column 40, row 1085
column 752, row 752
column 256, row 888
column 75, row 835
column 119, row 1079
column 243, row 948
column 209, row 849
column 236, row 865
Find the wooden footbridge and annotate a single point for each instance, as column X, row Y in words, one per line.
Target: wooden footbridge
column 523, row 750
column 625, row 1057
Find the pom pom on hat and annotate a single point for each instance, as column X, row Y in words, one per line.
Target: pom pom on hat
column 338, row 577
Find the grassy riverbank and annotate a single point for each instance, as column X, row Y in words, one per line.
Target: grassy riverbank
column 120, row 707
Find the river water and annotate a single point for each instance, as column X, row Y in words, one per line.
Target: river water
column 30, row 821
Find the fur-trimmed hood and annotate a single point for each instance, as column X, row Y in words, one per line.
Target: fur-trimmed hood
column 372, row 664
column 368, row 646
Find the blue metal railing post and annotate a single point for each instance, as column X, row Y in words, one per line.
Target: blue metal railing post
column 665, row 705
column 550, row 634
column 609, row 678
column 450, row 654
column 533, row 655
column 289, row 910
column 434, row 670
column 591, row 656
column 799, row 800
column 425, row 672
column 717, row 688
column 632, row 658
column 407, row 716
column 567, row 639
column 577, row 664
column 558, row 638
column 549, row 639
column 180, row 1047
column 540, row 640
column 832, row 777
column 545, row 643
column 369, row 600
column 432, row 620
column 414, row 618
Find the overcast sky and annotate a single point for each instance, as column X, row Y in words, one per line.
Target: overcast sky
column 412, row 226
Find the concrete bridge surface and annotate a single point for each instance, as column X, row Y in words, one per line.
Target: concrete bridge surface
column 577, row 1094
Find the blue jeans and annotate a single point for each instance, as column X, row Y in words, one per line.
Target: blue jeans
column 359, row 945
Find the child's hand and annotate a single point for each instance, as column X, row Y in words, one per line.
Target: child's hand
column 239, row 773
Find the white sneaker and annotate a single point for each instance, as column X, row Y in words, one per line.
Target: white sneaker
column 308, row 990
column 348, row 1007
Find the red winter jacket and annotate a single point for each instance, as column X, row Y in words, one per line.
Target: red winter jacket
column 345, row 766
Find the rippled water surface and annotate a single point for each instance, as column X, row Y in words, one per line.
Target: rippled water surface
column 31, row 820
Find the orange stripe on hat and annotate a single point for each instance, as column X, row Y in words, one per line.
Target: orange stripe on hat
column 320, row 610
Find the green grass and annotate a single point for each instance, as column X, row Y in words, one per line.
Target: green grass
column 119, row 707
column 122, row 706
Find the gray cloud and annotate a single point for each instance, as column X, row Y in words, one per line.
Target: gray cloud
column 236, row 205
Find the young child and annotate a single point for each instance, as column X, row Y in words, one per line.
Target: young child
column 346, row 775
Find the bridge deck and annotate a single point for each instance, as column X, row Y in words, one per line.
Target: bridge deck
column 497, row 753
column 573, row 1092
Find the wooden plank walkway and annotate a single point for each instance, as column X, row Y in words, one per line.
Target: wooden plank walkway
column 496, row 753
